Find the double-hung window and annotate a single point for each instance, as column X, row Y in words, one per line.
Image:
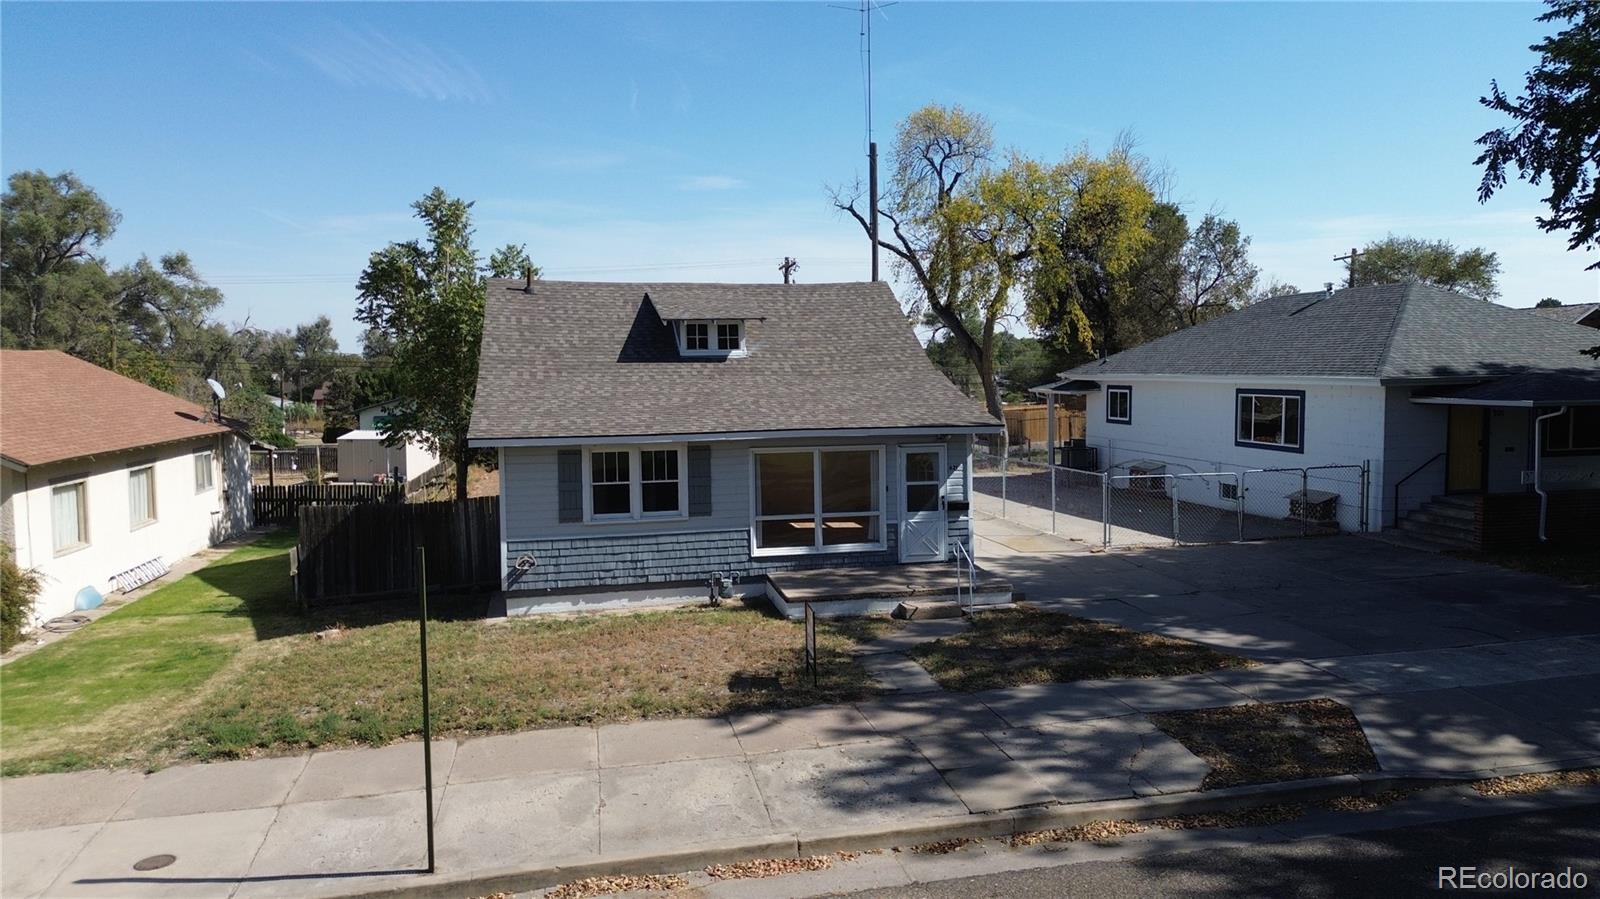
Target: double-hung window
column 204, row 480
column 1270, row 419
column 141, row 496
column 1119, row 405
column 818, row 500
column 633, row 483
column 69, row 517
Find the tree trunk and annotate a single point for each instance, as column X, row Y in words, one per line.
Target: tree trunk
column 463, row 466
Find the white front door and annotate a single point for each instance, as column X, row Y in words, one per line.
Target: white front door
column 922, row 520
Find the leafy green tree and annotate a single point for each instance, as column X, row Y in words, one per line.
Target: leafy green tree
column 1473, row 272
column 1557, row 126
column 50, row 229
column 428, row 296
column 511, row 261
column 1274, row 288
column 1218, row 276
column 1548, row 303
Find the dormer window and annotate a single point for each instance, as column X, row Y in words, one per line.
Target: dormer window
column 711, row 337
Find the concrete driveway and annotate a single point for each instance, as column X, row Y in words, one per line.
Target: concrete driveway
column 1312, row 598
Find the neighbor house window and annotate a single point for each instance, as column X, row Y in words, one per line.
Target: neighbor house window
column 635, row 483
column 1119, row 405
column 203, row 478
column 712, row 337
column 69, row 516
column 1576, row 430
column 141, row 496
column 818, row 500
column 1271, row 419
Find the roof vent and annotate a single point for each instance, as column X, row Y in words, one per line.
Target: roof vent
column 1327, row 288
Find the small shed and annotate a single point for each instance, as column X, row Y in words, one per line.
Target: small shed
column 363, row 456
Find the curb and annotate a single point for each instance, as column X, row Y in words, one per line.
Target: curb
column 819, row 842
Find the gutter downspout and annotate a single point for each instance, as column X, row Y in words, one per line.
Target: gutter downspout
column 1538, row 487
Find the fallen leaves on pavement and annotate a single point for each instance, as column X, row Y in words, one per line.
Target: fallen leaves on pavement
column 622, row 883
column 768, row 867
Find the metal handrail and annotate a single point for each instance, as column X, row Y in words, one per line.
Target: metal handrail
column 1414, row 472
column 972, row 577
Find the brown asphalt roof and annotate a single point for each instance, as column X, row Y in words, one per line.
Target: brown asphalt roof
column 576, row 359
column 54, row 407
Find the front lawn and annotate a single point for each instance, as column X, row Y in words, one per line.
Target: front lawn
column 516, row 675
column 219, row 664
column 107, row 692
column 1029, row 646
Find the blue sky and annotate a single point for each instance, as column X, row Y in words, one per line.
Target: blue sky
column 280, row 144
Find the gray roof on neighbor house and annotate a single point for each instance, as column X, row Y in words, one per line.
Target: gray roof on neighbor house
column 1396, row 332
column 1571, row 313
column 575, row 359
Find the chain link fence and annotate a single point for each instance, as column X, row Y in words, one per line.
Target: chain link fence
column 1149, row 502
column 302, row 463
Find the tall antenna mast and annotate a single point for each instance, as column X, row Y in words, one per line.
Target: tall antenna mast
column 866, row 9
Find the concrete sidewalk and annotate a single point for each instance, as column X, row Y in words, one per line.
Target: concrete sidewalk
column 350, row 821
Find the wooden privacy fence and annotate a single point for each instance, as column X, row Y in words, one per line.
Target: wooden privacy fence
column 280, row 504
column 1028, row 423
column 364, row 551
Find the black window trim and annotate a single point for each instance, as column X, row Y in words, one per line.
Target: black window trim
column 1128, row 389
column 1300, row 437
column 1570, row 417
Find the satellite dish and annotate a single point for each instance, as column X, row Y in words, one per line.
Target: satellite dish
column 216, row 389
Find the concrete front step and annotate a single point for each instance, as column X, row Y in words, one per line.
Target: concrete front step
column 1465, row 515
column 1452, row 538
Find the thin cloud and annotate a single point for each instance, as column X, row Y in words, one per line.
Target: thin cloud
column 710, row 182
column 369, row 58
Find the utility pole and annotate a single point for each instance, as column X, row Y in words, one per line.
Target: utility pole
column 788, row 268
column 1350, row 279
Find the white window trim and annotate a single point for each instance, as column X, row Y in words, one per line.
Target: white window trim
column 1127, row 416
column 155, row 508
column 635, row 485
column 82, row 485
column 1238, row 421
column 211, row 471
column 817, row 548
column 711, row 337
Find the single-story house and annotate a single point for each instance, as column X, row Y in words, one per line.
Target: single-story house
column 1479, row 424
column 1586, row 314
column 104, row 480
column 653, row 436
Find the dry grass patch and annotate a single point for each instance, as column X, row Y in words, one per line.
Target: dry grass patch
column 943, row 847
column 768, row 867
column 1519, row 784
column 629, row 883
column 1271, row 742
column 1029, row 646
column 516, row 675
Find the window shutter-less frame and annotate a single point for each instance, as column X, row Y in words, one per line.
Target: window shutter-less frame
column 699, row 481
column 569, row 485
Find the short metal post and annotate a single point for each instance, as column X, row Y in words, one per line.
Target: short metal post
column 1173, row 488
column 1238, row 501
column 1105, row 508
column 1304, row 502
column 1052, row 495
column 1005, row 463
column 427, row 729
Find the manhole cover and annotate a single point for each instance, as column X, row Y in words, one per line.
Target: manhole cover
column 154, row 862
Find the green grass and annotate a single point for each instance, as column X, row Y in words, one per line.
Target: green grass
column 108, row 689
column 362, row 687
column 219, row 664
column 1028, row 646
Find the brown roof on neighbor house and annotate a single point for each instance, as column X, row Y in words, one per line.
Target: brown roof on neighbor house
column 54, row 407
column 576, row 359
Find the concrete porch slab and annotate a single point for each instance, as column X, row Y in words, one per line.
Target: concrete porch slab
column 820, row 585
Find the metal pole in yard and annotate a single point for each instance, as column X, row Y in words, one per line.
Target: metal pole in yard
column 427, row 730
column 1177, row 491
column 1052, row 494
column 1105, row 507
column 1238, row 501
column 1005, row 461
column 1304, row 499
